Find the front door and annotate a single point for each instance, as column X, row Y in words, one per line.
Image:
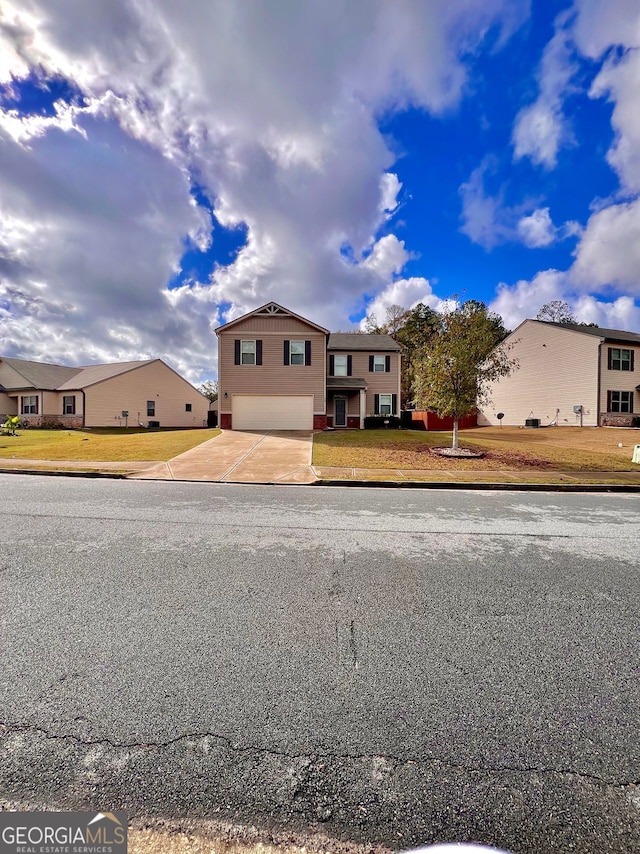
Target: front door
column 340, row 412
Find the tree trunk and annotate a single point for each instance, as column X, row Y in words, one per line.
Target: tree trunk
column 455, row 432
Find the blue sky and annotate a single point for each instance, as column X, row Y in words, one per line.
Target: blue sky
column 165, row 169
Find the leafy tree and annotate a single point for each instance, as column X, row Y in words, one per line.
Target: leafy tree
column 209, row 389
column 420, row 325
column 460, row 362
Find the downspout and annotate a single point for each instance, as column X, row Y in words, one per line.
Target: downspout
column 84, row 407
column 598, row 385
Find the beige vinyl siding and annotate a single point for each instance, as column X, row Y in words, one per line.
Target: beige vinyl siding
column 377, row 383
column 8, row 405
column 77, row 393
column 49, row 401
column 288, row 326
column 273, row 376
column 130, row 391
column 619, row 380
column 558, row 370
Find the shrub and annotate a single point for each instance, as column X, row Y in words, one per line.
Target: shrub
column 377, row 422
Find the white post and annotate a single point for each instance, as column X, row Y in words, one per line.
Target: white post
column 363, row 407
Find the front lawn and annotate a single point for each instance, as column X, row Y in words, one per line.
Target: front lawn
column 548, row 448
column 108, row 444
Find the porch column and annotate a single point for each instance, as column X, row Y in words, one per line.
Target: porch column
column 363, row 407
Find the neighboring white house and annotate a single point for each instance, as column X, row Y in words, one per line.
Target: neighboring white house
column 568, row 375
column 113, row 395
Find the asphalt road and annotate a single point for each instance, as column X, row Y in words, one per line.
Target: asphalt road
column 388, row 666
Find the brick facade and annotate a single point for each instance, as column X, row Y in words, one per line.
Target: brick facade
column 70, row 422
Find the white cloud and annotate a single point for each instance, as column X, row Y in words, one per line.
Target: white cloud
column 390, row 186
column 515, row 303
column 523, row 300
column 272, row 107
column 541, row 128
column 406, row 293
column 537, row 229
column 485, row 218
column 620, row 81
column 387, row 257
column 609, row 251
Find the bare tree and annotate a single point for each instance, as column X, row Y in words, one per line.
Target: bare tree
column 556, row 311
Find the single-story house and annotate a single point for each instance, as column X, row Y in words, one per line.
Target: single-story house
column 119, row 394
column 279, row 371
column 568, row 375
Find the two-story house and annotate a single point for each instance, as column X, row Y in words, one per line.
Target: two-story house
column 568, row 375
column 279, row 371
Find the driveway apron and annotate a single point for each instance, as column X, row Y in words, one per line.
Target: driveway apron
column 243, row 457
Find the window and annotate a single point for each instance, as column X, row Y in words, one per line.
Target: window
column 69, row 404
column 339, row 366
column 29, row 405
column 187, row 407
column 386, row 404
column 379, row 364
column 247, row 352
column 296, row 352
column 151, row 408
column 620, row 401
column 620, row 360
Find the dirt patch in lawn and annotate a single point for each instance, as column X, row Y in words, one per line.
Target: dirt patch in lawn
column 561, row 448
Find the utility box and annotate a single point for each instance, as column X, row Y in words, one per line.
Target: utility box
column 577, row 409
column 154, row 425
column 636, row 454
column 532, row 422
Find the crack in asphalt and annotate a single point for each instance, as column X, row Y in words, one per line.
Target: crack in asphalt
column 316, row 755
column 332, row 528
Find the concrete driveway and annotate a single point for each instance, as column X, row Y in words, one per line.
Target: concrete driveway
column 243, row 457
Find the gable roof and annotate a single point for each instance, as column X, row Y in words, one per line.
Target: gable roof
column 47, row 377
column 41, row 375
column 597, row 331
column 362, row 341
column 602, row 332
column 271, row 309
column 93, row 374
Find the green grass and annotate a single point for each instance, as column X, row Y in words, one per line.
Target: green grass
column 550, row 449
column 109, row 444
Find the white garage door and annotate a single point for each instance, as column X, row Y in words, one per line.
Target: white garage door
column 272, row 412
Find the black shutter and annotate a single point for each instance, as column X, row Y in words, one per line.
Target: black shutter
column 376, row 404
column 236, row 355
column 631, row 353
column 332, row 366
column 370, row 364
column 609, row 358
column 349, row 365
column 259, row 352
column 387, row 363
column 609, row 394
column 394, row 403
column 307, row 352
column 286, row 353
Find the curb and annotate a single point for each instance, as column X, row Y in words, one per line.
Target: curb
column 56, row 473
column 476, row 485
column 362, row 484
